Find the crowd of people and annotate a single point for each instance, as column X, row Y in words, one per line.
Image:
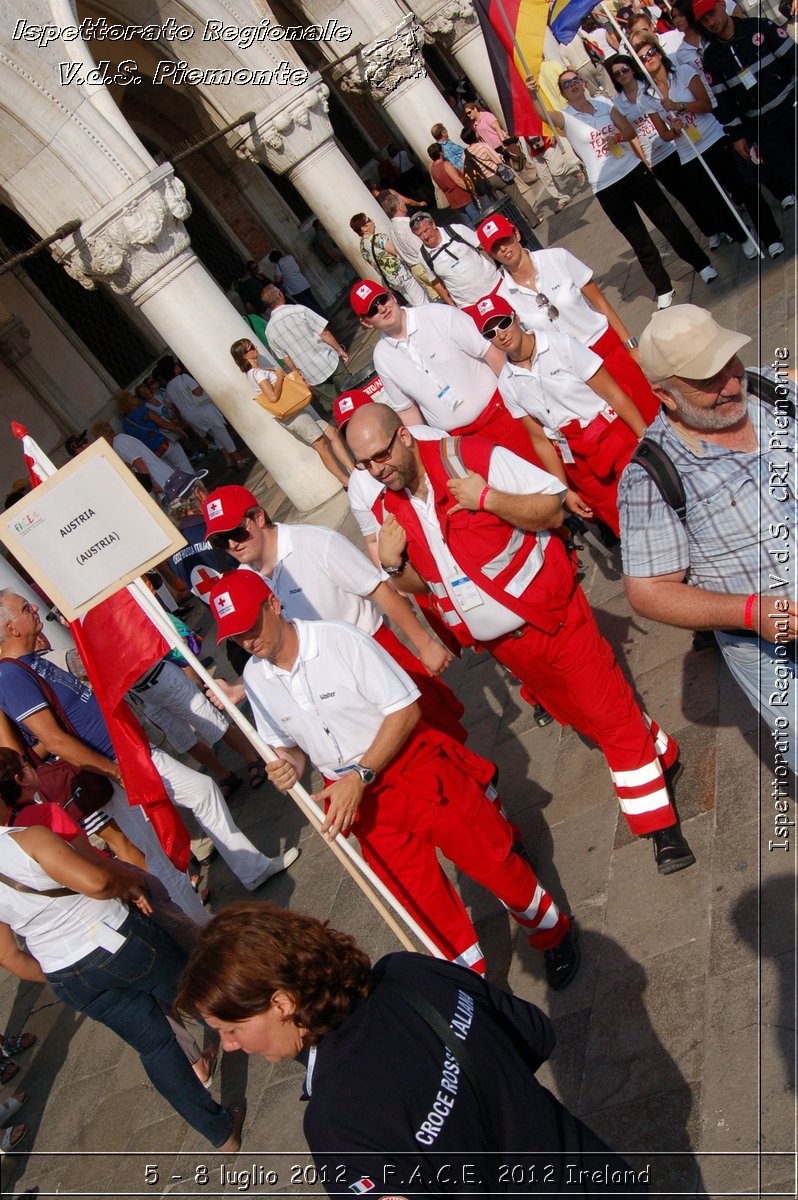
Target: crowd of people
column 510, row 398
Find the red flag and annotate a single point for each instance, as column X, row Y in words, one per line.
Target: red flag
column 117, row 643
column 520, row 118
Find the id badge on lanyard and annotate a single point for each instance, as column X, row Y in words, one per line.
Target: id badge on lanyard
column 449, row 397
column 564, row 449
column 465, row 593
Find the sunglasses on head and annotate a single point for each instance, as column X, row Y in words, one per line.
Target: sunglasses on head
column 379, row 301
column 502, row 323
column 381, row 456
column 221, row 541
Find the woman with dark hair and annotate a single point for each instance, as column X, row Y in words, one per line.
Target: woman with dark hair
column 682, row 111
column 622, row 184
column 415, row 1054
column 379, row 252
column 694, row 39
column 630, row 84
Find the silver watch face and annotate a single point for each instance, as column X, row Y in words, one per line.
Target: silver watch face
column 367, row 774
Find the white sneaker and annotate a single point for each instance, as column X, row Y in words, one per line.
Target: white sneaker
column 708, row 274
column 788, row 202
column 279, row 863
column 665, row 300
column 749, row 249
column 715, row 240
column 775, row 249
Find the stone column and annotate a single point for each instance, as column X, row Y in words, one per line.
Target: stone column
column 391, row 69
column 296, row 139
column 15, row 352
column 137, row 246
column 456, row 23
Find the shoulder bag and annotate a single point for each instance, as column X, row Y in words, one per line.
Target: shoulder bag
column 295, row 395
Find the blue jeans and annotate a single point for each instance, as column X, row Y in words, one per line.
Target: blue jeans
column 768, row 679
column 122, row 991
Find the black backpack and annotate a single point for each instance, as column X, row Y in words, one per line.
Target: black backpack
column 454, row 236
column 659, row 465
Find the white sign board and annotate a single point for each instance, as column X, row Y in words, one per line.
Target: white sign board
column 88, row 530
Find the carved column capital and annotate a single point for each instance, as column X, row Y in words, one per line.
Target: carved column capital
column 14, row 341
column 393, row 59
column 281, row 136
column 450, row 21
column 132, row 238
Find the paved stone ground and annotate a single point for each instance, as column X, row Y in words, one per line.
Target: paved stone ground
column 675, row 1042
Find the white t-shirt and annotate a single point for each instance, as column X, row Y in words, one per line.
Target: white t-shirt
column 671, row 41
column 130, row 448
column 654, row 148
column 333, row 700
column 438, row 366
column 693, row 56
column 586, row 133
column 486, row 618
column 293, row 281
column 560, row 277
column 554, row 390
column 320, row 576
column 467, row 274
column 408, row 246
column 256, row 374
column 707, row 128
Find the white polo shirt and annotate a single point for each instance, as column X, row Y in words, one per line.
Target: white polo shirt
column 485, row 617
column 333, row 700
column 320, row 576
column 560, row 277
column 467, row 274
column 703, row 127
column 364, row 489
column 438, row 366
column 554, row 390
column 130, row 448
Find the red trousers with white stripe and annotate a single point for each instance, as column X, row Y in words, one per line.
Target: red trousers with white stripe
column 432, row 796
column 497, row 425
column 627, row 374
column 574, row 674
column 598, row 465
column 439, row 706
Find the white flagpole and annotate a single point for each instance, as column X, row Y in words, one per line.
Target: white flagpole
column 749, row 233
column 369, row 883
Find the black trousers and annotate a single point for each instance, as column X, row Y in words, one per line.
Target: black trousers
column 774, row 134
column 720, row 160
column 639, row 190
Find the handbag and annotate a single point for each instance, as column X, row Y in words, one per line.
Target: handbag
column 59, row 781
column 294, row 396
column 505, row 173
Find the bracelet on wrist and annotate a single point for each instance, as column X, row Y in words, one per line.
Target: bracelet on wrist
column 481, row 501
column 394, row 571
column 749, row 610
column 631, row 343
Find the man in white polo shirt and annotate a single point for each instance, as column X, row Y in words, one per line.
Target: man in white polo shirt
column 326, row 690
column 318, row 575
column 133, row 452
column 437, row 368
column 452, row 254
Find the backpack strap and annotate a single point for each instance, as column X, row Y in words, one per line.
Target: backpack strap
column 765, row 389
column 659, row 466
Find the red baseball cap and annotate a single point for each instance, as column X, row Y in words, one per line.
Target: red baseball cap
column 236, row 600
column 493, row 229
column 226, row 507
column 363, row 295
column 702, row 7
column 348, row 403
column 487, row 308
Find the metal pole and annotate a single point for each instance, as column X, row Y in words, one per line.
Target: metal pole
column 750, row 234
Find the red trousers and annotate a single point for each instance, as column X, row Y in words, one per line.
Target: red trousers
column 439, row 706
column 627, row 374
column 496, row 425
column 575, row 676
column 601, row 451
column 432, row 796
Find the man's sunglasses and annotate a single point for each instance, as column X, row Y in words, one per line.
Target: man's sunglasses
column 221, row 541
column 382, row 456
column 379, row 301
column 502, row 323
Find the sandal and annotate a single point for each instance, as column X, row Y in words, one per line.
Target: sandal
column 209, row 1058
column 9, row 1108
column 257, row 774
column 12, row 1046
column 8, row 1071
column 12, row 1137
column 229, row 785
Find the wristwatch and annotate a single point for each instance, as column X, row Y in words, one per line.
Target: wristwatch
column 395, row 571
column 631, row 344
column 367, row 774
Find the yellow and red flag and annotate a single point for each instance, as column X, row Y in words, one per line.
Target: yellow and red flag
column 505, row 23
